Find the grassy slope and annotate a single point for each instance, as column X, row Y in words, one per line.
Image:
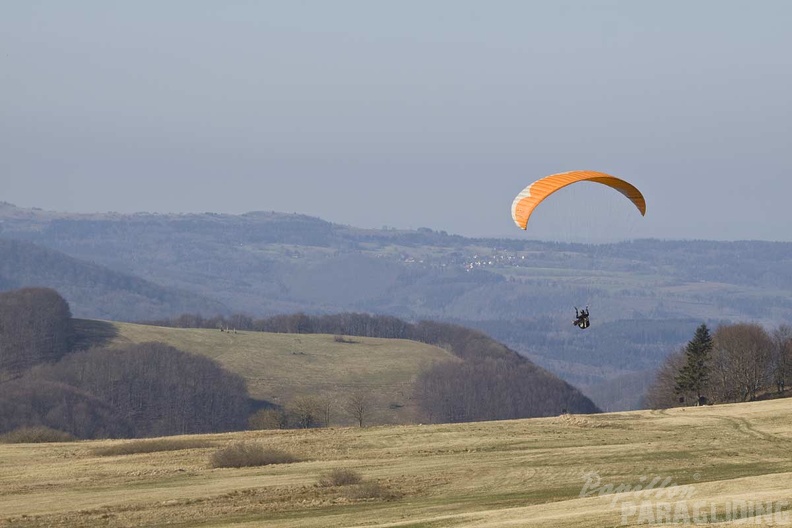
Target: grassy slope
column 279, row 367
column 519, row 473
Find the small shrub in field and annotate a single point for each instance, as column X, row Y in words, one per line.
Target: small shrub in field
column 268, row 419
column 247, row 454
column 369, row 489
column 340, row 477
column 36, row 435
column 151, row 446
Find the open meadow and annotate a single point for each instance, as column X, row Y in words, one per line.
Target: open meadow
column 726, row 460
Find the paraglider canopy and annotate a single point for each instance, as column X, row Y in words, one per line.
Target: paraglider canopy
column 530, row 197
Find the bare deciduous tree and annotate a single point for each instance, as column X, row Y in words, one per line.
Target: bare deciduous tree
column 326, row 408
column 662, row 393
column 742, row 361
column 304, row 411
column 782, row 357
column 358, row 406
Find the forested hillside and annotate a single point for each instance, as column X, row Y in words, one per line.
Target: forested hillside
column 143, row 389
column 92, row 379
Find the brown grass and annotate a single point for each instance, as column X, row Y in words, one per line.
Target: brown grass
column 509, row 473
column 369, row 490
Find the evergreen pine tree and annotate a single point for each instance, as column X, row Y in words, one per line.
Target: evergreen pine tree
column 693, row 376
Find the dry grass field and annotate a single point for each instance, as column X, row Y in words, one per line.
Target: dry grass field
column 725, row 459
column 280, row 367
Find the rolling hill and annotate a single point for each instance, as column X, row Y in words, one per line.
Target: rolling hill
column 726, row 460
column 281, row 367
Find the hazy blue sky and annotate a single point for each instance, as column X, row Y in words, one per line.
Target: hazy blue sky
column 401, row 113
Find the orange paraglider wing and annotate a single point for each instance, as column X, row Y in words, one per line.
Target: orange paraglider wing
column 531, row 196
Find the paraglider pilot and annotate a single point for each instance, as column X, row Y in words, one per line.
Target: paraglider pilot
column 582, row 318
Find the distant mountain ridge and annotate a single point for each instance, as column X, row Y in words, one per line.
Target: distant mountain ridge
column 91, row 288
column 520, row 291
column 274, row 262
